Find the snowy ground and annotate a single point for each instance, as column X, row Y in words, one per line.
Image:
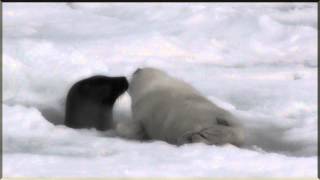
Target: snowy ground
column 257, row 60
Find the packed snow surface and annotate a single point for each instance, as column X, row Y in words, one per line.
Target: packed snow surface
column 258, row 61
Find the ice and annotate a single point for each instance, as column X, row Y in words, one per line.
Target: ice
column 257, row 60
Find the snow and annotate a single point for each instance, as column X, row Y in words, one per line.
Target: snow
column 258, row 60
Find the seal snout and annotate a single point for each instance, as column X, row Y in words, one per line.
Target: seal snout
column 122, row 84
column 125, row 82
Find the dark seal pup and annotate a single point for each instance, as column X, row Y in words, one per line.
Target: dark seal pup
column 90, row 102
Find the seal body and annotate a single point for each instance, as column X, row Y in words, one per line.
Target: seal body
column 171, row 110
column 90, row 101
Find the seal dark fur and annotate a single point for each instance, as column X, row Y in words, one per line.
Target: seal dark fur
column 90, row 102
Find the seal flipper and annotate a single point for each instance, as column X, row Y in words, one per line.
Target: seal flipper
column 222, row 121
column 192, row 137
column 215, row 135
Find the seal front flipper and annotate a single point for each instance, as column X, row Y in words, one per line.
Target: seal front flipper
column 215, row 135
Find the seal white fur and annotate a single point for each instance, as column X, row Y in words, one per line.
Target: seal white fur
column 171, row 110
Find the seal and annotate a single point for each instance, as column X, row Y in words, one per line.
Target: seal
column 169, row 109
column 90, row 102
